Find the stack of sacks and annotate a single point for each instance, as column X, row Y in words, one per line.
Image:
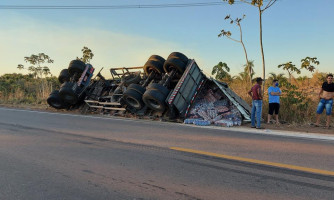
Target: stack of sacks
column 213, row 108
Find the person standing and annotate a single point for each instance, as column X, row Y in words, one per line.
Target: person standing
column 274, row 93
column 326, row 96
column 256, row 93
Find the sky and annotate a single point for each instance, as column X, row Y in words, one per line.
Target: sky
column 292, row 30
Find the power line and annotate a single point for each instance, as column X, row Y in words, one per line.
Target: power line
column 181, row 5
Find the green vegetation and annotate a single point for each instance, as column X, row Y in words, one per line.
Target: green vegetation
column 34, row 87
column 87, row 55
column 26, row 89
column 300, row 95
column 299, row 100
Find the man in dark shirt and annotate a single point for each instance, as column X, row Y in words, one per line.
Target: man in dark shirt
column 256, row 93
column 326, row 95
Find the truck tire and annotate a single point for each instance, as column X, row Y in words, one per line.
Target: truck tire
column 67, row 94
column 133, row 98
column 129, row 78
column 179, row 55
column 64, row 76
column 156, row 86
column 55, row 101
column 153, row 65
column 155, row 100
column 157, row 58
column 137, row 87
column 76, row 66
column 174, row 63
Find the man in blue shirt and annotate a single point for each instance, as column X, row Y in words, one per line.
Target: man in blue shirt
column 274, row 94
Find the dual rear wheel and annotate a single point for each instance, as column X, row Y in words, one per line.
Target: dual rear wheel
column 55, row 101
column 154, row 95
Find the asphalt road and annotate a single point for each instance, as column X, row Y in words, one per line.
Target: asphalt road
column 58, row 156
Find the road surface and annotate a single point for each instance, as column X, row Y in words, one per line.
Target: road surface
column 63, row 156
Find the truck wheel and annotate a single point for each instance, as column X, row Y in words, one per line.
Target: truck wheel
column 153, row 65
column 137, row 87
column 129, row 78
column 64, row 76
column 156, row 86
column 133, row 98
column 155, row 100
column 76, row 66
column 157, row 58
column 174, row 63
column 67, row 94
column 179, row 55
column 55, row 101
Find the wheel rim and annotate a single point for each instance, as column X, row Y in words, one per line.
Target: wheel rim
column 154, row 104
column 152, row 69
column 133, row 102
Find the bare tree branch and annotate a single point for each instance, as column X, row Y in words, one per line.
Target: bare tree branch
column 247, row 2
column 271, row 2
column 235, row 40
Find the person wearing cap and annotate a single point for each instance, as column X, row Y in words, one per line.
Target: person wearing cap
column 274, row 93
column 256, row 93
column 326, row 96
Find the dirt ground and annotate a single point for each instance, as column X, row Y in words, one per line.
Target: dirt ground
column 305, row 128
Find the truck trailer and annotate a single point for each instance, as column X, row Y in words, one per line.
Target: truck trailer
column 174, row 89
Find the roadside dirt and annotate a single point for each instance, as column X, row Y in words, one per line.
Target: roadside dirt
column 306, row 128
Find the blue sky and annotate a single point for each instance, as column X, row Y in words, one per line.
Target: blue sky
column 292, row 30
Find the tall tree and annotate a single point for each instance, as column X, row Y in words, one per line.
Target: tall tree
column 221, row 71
column 228, row 34
column 261, row 6
column 280, row 77
column 36, row 62
column 290, row 68
column 241, row 77
column 250, row 69
column 87, row 55
column 38, row 70
column 307, row 63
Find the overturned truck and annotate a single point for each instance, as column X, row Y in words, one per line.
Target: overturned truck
column 172, row 89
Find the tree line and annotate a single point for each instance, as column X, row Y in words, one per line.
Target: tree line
column 35, row 86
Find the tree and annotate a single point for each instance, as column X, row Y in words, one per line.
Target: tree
column 37, row 70
column 36, row 61
column 241, row 77
column 228, row 34
column 307, row 63
column 290, row 68
column 259, row 4
column 20, row 66
column 46, row 71
column 87, row 55
column 250, row 69
column 302, row 78
column 221, row 71
column 280, row 77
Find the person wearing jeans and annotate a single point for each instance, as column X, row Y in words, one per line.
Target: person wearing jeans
column 326, row 96
column 256, row 93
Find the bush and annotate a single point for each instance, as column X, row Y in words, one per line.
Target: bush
column 25, row 89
